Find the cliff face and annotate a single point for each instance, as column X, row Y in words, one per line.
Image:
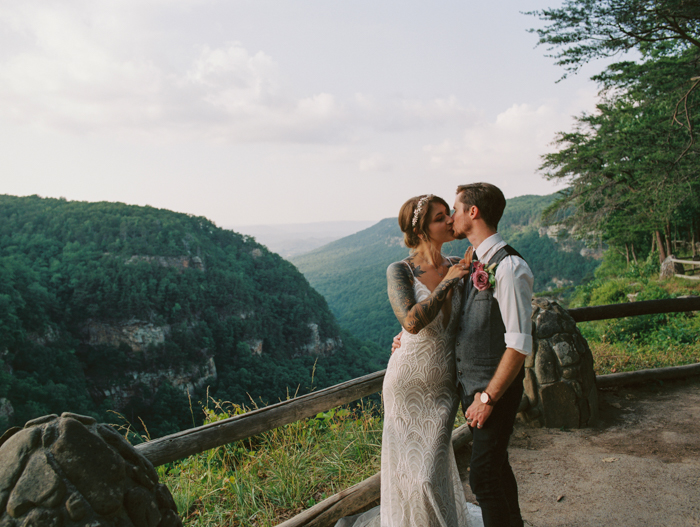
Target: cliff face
column 142, row 338
column 134, row 383
column 136, row 334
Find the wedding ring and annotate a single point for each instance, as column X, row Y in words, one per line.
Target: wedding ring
column 469, row 420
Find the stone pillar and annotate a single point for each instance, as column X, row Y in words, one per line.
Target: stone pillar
column 560, row 389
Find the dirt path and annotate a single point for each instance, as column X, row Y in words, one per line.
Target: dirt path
column 639, row 466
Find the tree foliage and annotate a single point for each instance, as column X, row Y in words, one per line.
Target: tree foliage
column 582, row 30
column 631, row 166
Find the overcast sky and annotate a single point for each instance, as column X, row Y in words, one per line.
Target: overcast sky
column 276, row 111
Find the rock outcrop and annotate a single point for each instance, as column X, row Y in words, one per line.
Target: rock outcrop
column 320, row 348
column 178, row 262
column 70, row 471
column 670, row 268
column 560, row 389
column 137, row 334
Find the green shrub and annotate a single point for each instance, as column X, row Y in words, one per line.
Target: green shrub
column 610, row 292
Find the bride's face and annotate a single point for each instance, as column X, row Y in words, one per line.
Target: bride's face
column 440, row 226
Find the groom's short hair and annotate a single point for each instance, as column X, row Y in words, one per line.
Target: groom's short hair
column 487, row 198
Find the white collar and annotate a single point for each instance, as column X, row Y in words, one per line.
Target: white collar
column 488, row 244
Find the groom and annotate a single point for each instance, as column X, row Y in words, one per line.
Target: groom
column 493, row 339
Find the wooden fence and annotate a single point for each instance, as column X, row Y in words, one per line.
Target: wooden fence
column 188, row 442
column 686, row 262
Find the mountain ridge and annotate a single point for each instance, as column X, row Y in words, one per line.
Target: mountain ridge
column 350, row 272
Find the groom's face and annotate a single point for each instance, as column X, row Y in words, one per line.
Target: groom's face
column 461, row 219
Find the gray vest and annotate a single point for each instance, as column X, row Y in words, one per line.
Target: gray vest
column 481, row 334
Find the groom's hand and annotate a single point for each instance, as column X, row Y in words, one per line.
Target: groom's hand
column 478, row 412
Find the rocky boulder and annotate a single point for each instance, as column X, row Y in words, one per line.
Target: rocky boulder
column 560, row 389
column 70, row 471
column 669, row 268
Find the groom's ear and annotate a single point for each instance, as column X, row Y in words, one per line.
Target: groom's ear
column 474, row 212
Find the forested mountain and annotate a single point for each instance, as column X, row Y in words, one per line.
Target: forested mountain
column 351, row 273
column 105, row 306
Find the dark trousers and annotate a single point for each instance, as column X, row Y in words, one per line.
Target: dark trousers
column 490, row 475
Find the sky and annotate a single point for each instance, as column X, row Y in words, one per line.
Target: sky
column 257, row 112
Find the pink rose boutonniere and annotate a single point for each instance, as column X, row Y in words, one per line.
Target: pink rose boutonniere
column 483, row 277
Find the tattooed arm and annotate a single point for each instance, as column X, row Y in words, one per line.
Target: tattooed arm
column 412, row 315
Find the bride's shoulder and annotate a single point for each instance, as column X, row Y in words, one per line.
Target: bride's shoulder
column 399, row 269
column 400, row 265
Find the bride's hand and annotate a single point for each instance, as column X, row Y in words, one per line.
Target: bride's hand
column 457, row 271
column 468, row 257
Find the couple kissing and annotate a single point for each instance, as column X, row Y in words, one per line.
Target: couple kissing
column 466, row 333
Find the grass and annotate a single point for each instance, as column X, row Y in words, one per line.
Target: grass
column 619, row 357
column 266, row 479
column 643, row 342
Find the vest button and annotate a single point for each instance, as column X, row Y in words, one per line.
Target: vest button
column 459, row 360
column 457, row 343
column 459, row 372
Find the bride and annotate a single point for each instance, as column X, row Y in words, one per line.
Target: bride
column 420, row 486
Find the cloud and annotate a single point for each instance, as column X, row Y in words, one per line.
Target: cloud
column 375, row 163
column 398, row 114
column 506, row 150
column 89, row 67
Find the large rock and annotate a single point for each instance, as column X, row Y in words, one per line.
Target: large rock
column 70, row 471
column 560, row 389
column 670, row 268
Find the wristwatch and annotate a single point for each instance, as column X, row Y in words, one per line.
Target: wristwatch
column 486, row 399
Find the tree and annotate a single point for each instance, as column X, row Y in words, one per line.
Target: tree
column 631, row 166
column 583, row 30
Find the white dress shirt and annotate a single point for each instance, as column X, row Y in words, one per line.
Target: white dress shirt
column 513, row 292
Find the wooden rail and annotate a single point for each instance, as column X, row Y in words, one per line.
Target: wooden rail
column 644, row 307
column 687, row 262
column 626, row 378
column 194, row 440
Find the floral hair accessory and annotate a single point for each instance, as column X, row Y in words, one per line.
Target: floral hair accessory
column 483, row 277
column 419, row 208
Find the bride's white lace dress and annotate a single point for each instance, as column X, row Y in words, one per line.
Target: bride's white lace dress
column 420, row 485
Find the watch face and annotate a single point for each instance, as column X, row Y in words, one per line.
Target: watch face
column 485, row 398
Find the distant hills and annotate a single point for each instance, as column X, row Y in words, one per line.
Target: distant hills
column 294, row 239
column 106, row 306
column 351, row 272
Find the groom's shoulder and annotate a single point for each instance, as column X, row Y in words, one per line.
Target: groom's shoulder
column 512, row 261
column 510, row 251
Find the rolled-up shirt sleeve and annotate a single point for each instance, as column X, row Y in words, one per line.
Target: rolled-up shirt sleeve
column 513, row 291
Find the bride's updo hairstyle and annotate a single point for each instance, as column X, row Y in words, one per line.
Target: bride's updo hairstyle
column 414, row 218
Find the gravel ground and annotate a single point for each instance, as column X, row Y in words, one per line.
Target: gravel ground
column 639, row 466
